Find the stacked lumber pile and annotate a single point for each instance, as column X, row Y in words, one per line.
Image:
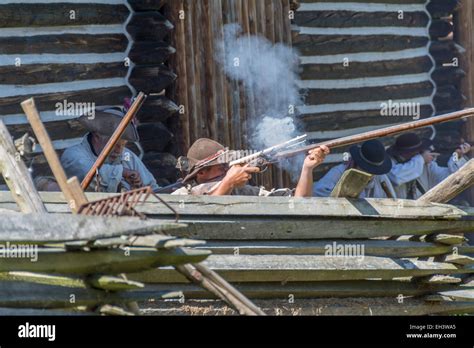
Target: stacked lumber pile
column 72, row 264
column 275, row 250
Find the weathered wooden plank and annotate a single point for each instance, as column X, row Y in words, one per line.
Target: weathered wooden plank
column 299, row 268
column 385, row 248
column 351, row 184
column 459, row 295
column 41, row 312
column 305, row 290
column 350, row 19
column 45, row 102
column 30, row 74
column 65, row 227
column 25, row 295
column 447, row 239
column 356, row 69
column 311, row 45
column 114, row 261
column 16, row 175
column 461, row 260
column 61, row 14
column 280, row 206
column 110, row 283
column 347, row 95
column 63, row 44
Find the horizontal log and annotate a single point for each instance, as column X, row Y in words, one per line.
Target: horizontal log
column 348, row 95
column 40, row 228
column 444, row 51
column 113, row 261
column 303, row 290
column 353, row 119
column 31, row 74
column 40, row 312
column 100, row 96
column 56, row 130
column 110, row 283
column 59, row 14
column 459, row 295
column 149, row 26
column 147, row 5
column 24, row 295
column 157, row 109
column 366, row 69
column 151, row 78
column 319, row 247
column 304, row 268
column 311, row 45
column 350, row 19
column 355, row 306
column 47, row 279
column 63, row 44
column 150, row 52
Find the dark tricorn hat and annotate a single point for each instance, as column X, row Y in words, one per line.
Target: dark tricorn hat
column 409, row 143
column 105, row 120
column 202, row 154
column 371, row 157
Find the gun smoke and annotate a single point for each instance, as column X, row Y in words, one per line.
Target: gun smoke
column 268, row 73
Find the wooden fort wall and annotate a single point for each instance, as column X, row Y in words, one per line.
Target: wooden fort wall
column 84, row 51
column 357, row 56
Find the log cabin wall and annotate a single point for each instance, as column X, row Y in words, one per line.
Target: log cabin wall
column 357, row 55
column 86, row 51
column 214, row 106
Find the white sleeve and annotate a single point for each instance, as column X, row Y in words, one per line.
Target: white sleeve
column 326, row 184
column 438, row 173
column 402, row 173
column 455, row 163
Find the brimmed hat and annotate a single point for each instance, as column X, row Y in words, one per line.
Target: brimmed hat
column 371, row 157
column 409, row 143
column 202, row 154
column 106, row 121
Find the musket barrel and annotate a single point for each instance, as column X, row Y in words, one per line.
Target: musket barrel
column 382, row 132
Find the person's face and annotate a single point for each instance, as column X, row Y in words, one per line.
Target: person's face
column 101, row 141
column 210, row 173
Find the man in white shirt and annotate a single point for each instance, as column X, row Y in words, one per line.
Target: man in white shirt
column 370, row 157
column 415, row 170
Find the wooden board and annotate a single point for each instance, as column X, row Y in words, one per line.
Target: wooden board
column 63, row 43
column 59, row 14
column 351, row 184
column 112, row 261
column 310, row 45
column 30, row 74
column 63, row 227
column 303, row 268
column 386, row 248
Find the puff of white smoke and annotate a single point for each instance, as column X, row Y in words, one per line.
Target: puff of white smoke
column 268, row 72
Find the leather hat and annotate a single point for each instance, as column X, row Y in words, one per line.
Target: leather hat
column 371, row 157
column 106, row 121
column 203, row 153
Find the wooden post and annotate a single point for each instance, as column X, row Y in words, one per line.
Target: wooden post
column 452, row 186
column 463, row 34
column 17, row 176
column 42, row 136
